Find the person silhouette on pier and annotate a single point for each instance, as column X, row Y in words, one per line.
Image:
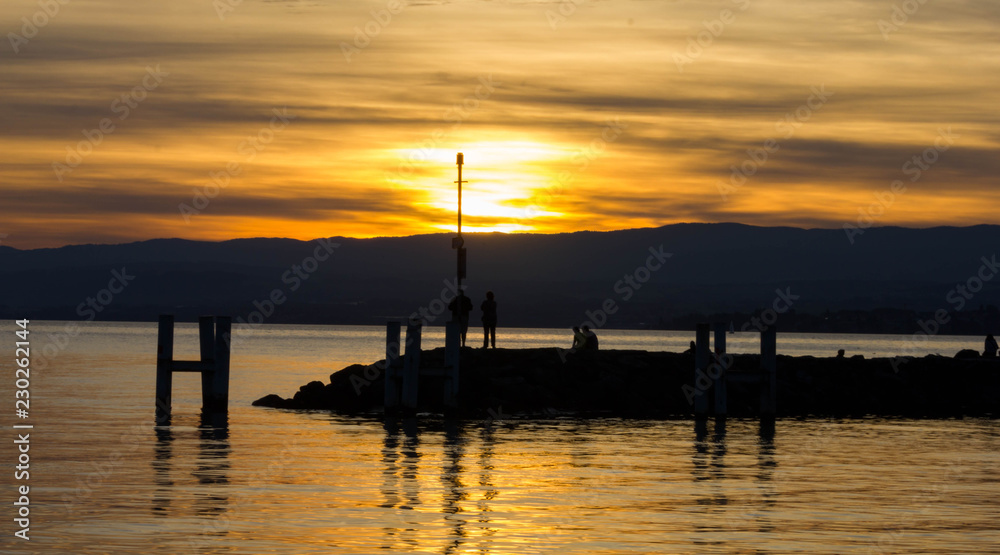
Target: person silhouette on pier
column 579, row 339
column 590, row 342
column 489, row 308
column 460, row 308
column 991, row 347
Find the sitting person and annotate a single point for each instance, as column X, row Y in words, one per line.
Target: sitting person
column 991, row 347
column 579, row 340
column 590, row 343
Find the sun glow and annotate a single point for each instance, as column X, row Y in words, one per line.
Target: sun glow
column 501, row 179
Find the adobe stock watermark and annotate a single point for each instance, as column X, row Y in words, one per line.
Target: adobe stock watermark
column 787, row 126
column 293, row 279
column 225, row 7
column 625, row 289
column 88, row 310
column 129, row 443
column 914, row 168
column 957, row 297
column 426, row 315
column 456, row 115
column 245, row 496
column 950, row 475
column 30, row 26
column 704, row 379
column 611, row 131
column 363, row 36
column 563, row 12
column 700, row 42
column 900, row 15
column 248, row 150
column 122, row 106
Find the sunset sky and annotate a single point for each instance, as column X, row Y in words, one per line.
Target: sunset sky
column 593, row 115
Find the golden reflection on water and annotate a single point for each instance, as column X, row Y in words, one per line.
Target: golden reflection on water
column 284, row 482
column 264, row 481
column 203, row 492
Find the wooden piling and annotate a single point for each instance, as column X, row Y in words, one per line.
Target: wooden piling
column 214, row 343
column 164, row 369
column 720, row 387
column 411, row 366
column 452, row 354
column 219, row 398
column 768, row 368
column 701, row 365
column 392, row 365
column 206, row 344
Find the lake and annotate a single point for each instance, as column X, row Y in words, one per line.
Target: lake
column 103, row 479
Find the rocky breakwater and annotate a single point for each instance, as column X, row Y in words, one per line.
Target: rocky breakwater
column 641, row 384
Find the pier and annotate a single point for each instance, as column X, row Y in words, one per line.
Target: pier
column 548, row 383
column 403, row 371
column 714, row 371
column 214, row 340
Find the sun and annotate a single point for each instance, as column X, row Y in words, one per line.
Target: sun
column 501, row 176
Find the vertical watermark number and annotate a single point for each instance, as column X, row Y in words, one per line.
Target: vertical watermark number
column 22, row 404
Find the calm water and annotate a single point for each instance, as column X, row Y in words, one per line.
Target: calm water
column 103, row 480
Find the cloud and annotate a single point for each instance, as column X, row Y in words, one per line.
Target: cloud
column 415, row 90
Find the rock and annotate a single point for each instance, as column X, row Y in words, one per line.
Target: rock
column 644, row 384
column 273, row 401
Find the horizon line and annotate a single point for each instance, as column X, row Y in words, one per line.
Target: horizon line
column 447, row 233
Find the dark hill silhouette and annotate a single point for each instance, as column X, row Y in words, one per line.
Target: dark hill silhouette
column 540, row 280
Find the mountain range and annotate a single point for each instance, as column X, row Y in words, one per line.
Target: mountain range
column 653, row 277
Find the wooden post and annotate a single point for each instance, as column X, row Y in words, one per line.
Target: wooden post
column 391, row 369
column 452, row 354
column 720, row 385
column 768, row 369
column 164, row 367
column 206, row 343
column 700, row 365
column 411, row 366
column 220, row 379
column 213, row 364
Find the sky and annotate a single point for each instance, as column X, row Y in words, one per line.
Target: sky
column 220, row 119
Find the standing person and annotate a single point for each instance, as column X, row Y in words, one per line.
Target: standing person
column 591, row 339
column 460, row 308
column 991, row 347
column 489, row 308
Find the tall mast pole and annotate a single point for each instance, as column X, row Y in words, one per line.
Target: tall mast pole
column 460, row 159
column 460, row 242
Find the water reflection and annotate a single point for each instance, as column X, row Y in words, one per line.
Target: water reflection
column 468, row 521
column 162, row 455
column 767, row 492
column 212, row 467
column 400, row 490
column 202, row 454
column 740, row 510
column 454, row 490
column 490, row 491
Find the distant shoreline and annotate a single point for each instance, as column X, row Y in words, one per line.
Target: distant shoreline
column 866, row 322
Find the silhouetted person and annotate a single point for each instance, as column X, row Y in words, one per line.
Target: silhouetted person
column 991, row 347
column 692, row 347
column 489, row 308
column 579, row 339
column 591, row 339
column 460, row 308
column 840, row 353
